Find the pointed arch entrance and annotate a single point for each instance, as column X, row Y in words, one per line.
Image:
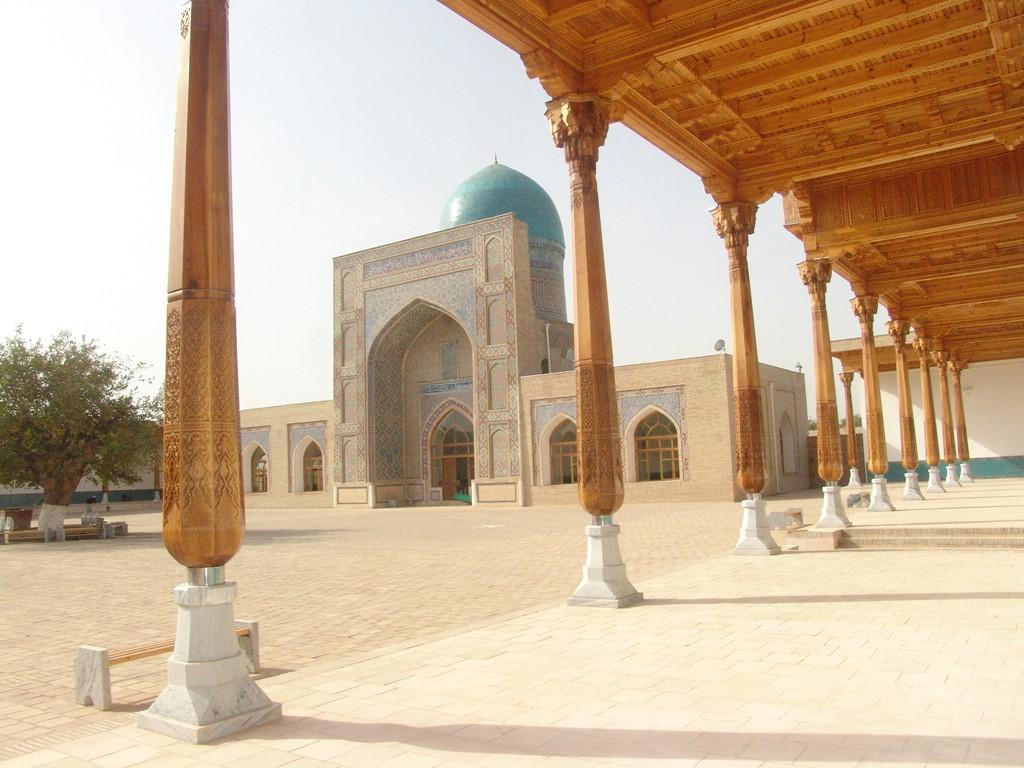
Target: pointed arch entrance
column 451, row 454
column 421, row 360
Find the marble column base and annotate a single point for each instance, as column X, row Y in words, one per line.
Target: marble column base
column 912, row 487
column 604, row 583
column 965, row 472
column 951, row 475
column 855, row 481
column 934, row 481
column 209, row 693
column 755, row 533
column 880, row 501
column 833, row 511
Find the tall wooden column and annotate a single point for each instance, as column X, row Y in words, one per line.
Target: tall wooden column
column 815, row 274
column 204, row 520
column 908, row 437
column 209, row 693
column 865, row 306
column 931, row 435
column 941, row 359
column 851, row 432
column 579, row 126
column 963, row 453
column 734, row 222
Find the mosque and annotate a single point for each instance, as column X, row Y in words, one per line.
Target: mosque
column 453, row 381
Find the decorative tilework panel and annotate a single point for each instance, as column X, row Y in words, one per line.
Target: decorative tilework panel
column 449, row 359
column 261, row 436
column 444, row 387
column 385, row 377
column 414, row 259
column 453, row 293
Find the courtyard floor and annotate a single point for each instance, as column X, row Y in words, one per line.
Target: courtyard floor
column 439, row 637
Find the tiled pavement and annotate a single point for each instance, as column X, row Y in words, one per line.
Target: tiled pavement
column 907, row 658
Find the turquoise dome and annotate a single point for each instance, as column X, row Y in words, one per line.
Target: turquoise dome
column 498, row 189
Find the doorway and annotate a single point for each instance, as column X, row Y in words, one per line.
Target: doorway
column 451, row 455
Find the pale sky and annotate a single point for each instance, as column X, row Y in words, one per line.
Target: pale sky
column 352, row 122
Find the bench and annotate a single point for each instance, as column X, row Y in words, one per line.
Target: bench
column 70, row 532
column 92, row 665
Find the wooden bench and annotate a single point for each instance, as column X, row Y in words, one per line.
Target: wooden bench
column 92, row 665
column 70, row 532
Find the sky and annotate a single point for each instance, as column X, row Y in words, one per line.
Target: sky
column 352, row 122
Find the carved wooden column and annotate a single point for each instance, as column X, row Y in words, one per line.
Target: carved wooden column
column 941, row 359
column 734, row 221
column 908, row 437
column 865, row 306
column 579, row 125
column 931, row 435
column 963, row 453
column 209, row 692
column 851, row 432
column 815, row 274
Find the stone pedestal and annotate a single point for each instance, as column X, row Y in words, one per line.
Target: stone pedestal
column 855, row 481
column 912, row 487
column 833, row 511
column 604, row 583
column 934, row 481
column 965, row 472
column 951, row 474
column 209, row 693
column 880, row 501
column 755, row 533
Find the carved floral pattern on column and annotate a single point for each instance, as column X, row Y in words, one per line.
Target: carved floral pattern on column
column 864, row 307
column 203, row 512
column 203, row 517
column 815, row 274
column 579, row 126
column 898, row 329
column 734, row 221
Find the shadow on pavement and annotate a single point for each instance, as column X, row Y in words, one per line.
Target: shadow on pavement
column 595, row 743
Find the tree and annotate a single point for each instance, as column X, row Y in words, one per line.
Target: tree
column 68, row 411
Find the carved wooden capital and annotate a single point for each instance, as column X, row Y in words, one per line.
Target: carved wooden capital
column 579, row 126
column 865, row 307
column 734, row 223
column 898, row 331
column 816, row 274
column 956, row 367
column 847, row 378
column 923, row 348
column 939, row 358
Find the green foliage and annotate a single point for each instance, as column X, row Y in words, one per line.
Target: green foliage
column 69, row 410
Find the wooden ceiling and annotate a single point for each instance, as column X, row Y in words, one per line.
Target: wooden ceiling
column 895, row 128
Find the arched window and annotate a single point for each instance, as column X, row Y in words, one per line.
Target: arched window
column 312, row 468
column 451, row 454
column 258, row 471
column 564, row 461
column 657, row 449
